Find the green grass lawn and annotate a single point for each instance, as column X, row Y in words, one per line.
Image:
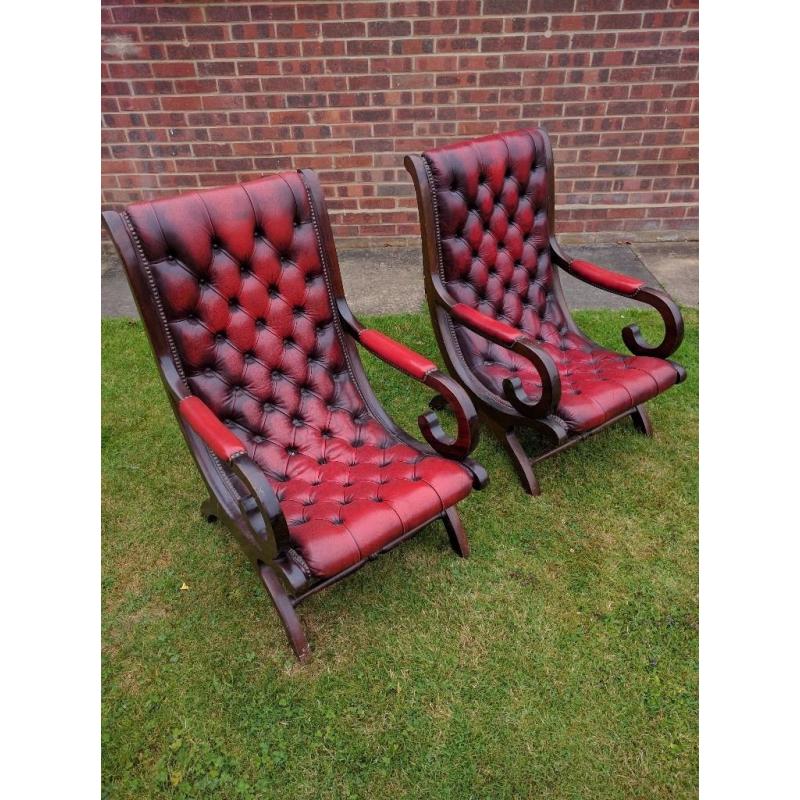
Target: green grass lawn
column 559, row 661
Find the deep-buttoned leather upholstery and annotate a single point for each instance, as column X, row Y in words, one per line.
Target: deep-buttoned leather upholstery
column 241, row 288
column 494, row 231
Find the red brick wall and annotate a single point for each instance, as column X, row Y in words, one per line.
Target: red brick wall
column 201, row 94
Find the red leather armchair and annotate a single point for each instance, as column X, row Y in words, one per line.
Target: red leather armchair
column 240, row 292
column 492, row 265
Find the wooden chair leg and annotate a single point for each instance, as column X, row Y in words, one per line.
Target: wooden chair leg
column 522, row 463
column 455, row 531
column 283, row 605
column 209, row 510
column 641, row 421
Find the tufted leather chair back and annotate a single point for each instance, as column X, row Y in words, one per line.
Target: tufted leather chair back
column 237, row 276
column 493, row 208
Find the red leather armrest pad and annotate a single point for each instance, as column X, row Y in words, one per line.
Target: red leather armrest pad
column 201, row 419
column 483, row 324
column 396, row 354
column 606, row 278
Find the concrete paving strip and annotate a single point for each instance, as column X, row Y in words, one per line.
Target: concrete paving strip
column 388, row 280
column 676, row 265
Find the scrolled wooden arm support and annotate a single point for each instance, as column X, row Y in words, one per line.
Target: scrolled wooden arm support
column 624, row 285
column 260, row 507
column 548, row 374
column 516, row 341
column 460, row 404
column 673, row 326
column 426, row 372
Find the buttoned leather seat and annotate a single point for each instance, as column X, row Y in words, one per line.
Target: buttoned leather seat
column 239, row 280
column 596, row 384
column 348, row 488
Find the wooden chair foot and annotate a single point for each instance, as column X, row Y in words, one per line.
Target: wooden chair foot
column 209, row 510
column 641, row 421
column 519, row 458
column 286, row 611
column 456, row 532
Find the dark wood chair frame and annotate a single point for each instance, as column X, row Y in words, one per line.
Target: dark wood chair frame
column 239, row 494
column 505, row 418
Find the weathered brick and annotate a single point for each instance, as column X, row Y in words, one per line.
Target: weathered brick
column 505, row 6
column 390, row 28
column 226, row 13
column 137, row 14
column 173, row 69
column 343, row 30
column 278, row 11
column 253, row 30
column 435, row 27
column 574, row 22
column 658, row 56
